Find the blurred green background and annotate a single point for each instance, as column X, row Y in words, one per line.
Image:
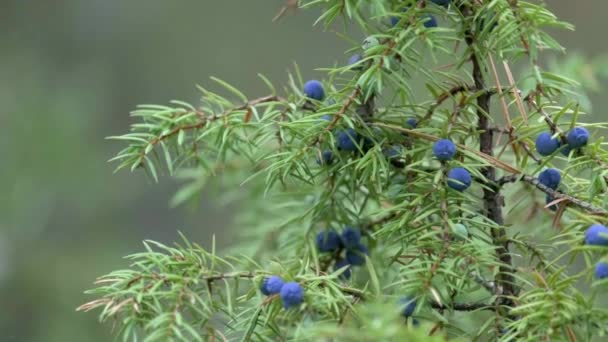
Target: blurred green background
column 70, row 72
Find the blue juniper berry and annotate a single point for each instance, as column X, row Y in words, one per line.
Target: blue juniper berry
column 429, row 21
column 411, row 123
column 549, row 199
column 597, row 235
column 444, row 149
column 601, row 270
column 340, row 263
column 459, row 179
column 356, row 256
column 327, row 158
column 578, row 137
column 348, row 140
column 550, row 178
column 356, row 58
column 292, row 295
column 395, row 21
column 314, row 90
column 271, row 285
column 351, row 237
column 367, row 145
column 408, row 306
column 328, row 241
column 545, row 144
column 444, row 3
column 393, row 154
column 566, row 149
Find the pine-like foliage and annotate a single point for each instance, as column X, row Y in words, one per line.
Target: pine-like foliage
column 503, row 259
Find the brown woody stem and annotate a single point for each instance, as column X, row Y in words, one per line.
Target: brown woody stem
column 504, row 282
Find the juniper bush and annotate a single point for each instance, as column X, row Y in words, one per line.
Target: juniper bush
column 483, row 262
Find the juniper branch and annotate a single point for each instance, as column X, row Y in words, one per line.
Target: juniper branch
column 588, row 207
column 462, row 306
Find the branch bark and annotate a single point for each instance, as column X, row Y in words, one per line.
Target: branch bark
column 504, row 284
column 462, row 306
column 588, row 207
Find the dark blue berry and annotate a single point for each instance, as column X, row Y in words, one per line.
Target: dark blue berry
column 566, row 149
column 347, row 140
column 292, row 295
column 368, row 143
column 550, row 178
column 597, row 235
column 356, row 256
column 549, row 199
column 545, row 144
column 411, row 123
column 314, row 90
column 326, row 117
column 328, row 241
column 327, row 158
column 444, row 3
column 459, row 179
column 393, row 154
column 356, row 58
column 395, row 20
column 578, row 137
column 601, row 270
column 343, row 263
column 408, row 306
column 351, row 237
column 444, row 149
column 429, row 21
column 271, row 285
